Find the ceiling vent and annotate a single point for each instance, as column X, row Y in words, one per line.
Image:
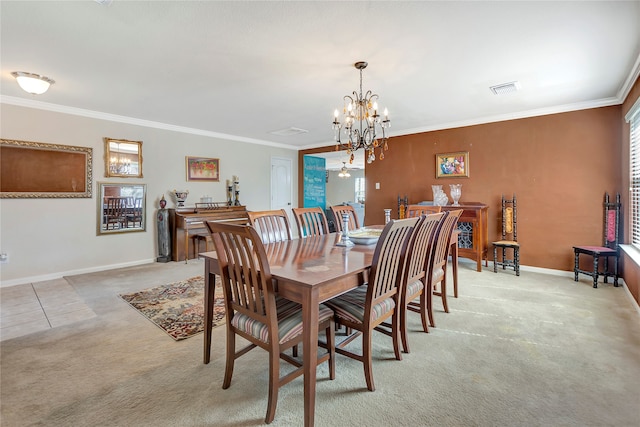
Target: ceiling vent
column 504, row 88
column 289, row 131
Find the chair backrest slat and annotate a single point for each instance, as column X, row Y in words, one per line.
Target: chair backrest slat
column 272, row 226
column 338, row 210
column 421, row 247
column 311, row 221
column 388, row 260
column 245, row 272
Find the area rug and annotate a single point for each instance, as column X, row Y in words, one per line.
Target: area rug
column 178, row 308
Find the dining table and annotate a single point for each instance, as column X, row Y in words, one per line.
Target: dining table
column 308, row 271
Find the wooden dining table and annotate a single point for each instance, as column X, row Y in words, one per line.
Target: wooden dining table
column 308, row 271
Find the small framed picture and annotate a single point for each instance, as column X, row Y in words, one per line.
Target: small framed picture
column 203, row 169
column 452, row 165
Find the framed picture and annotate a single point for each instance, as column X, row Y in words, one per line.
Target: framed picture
column 203, row 169
column 40, row 170
column 121, row 208
column 452, row 165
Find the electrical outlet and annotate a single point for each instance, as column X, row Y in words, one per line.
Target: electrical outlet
column 4, row 258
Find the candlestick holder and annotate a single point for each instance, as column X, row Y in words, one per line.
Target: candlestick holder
column 345, row 241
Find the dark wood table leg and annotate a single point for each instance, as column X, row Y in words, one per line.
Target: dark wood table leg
column 310, row 308
column 209, row 297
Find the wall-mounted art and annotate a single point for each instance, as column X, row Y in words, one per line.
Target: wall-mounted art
column 452, row 165
column 123, row 158
column 203, row 169
column 121, row 208
column 40, row 170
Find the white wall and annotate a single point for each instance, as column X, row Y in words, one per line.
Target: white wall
column 49, row 238
column 340, row 190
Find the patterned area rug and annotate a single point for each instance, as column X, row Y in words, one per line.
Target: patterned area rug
column 178, row 308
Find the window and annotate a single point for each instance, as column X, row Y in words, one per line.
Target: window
column 633, row 117
column 360, row 190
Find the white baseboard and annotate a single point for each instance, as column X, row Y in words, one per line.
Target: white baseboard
column 60, row 274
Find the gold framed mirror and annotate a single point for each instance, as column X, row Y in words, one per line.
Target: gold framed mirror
column 122, row 158
column 121, row 208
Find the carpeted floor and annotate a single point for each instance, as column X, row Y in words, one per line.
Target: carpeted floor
column 534, row 350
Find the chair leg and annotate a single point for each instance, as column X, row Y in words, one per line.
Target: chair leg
column 429, row 297
column 454, row 268
column 395, row 334
column 615, row 271
column 504, row 255
column 595, row 271
column 495, row 259
column 403, row 328
column 576, row 263
column 231, row 358
column 274, row 384
column 516, row 260
column 367, row 360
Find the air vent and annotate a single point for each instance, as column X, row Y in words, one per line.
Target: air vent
column 289, row 131
column 505, row 88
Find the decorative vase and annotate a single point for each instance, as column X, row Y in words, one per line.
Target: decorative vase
column 439, row 196
column 181, row 197
column 456, row 193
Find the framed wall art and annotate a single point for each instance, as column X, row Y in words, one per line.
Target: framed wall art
column 203, row 169
column 452, row 165
column 40, row 170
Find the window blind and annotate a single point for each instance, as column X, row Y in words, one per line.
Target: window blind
column 633, row 117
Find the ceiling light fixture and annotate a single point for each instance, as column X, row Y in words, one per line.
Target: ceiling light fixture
column 344, row 172
column 360, row 121
column 32, row 83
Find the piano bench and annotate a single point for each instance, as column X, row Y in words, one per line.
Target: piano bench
column 197, row 237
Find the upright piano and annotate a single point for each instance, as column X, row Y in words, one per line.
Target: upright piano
column 187, row 223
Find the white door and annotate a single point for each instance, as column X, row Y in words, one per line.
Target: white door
column 281, row 190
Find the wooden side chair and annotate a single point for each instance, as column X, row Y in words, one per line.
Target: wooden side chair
column 310, row 221
column 509, row 238
column 362, row 309
column 609, row 248
column 255, row 313
column 437, row 280
column 272, row 226
column 419, row 265
column 116, row 212
column 417, row 210
column 338, row 210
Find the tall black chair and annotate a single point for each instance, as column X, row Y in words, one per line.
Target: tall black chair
column 509, row 238
column 609, row 248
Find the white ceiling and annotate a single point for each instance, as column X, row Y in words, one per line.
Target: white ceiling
column 240, row 70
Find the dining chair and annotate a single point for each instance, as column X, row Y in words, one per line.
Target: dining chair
column 508, row 239
column 272, row 226
column 338, row 210
column 418, row 265
column 364, row 308
column 115, row 214
column 310, row 221
column 254, row 311
column 437, row 280
column 417, row 210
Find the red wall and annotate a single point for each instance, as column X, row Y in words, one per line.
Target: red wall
column 558, row 165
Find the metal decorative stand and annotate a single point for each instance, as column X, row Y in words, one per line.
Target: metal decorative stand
column 345, row 241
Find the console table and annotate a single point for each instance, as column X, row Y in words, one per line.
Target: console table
column 473, row 240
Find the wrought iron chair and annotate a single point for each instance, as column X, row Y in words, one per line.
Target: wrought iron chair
column 609, row 248
column 509, row 238
column 310, row 221
column 365, row 307
column 255, row 313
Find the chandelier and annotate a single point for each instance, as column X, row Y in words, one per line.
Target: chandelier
column 344, row 172
column 361, row 123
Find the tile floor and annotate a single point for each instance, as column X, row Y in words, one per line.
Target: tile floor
column 34, row 307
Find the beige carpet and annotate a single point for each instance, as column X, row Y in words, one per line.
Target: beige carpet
column 534, row 350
